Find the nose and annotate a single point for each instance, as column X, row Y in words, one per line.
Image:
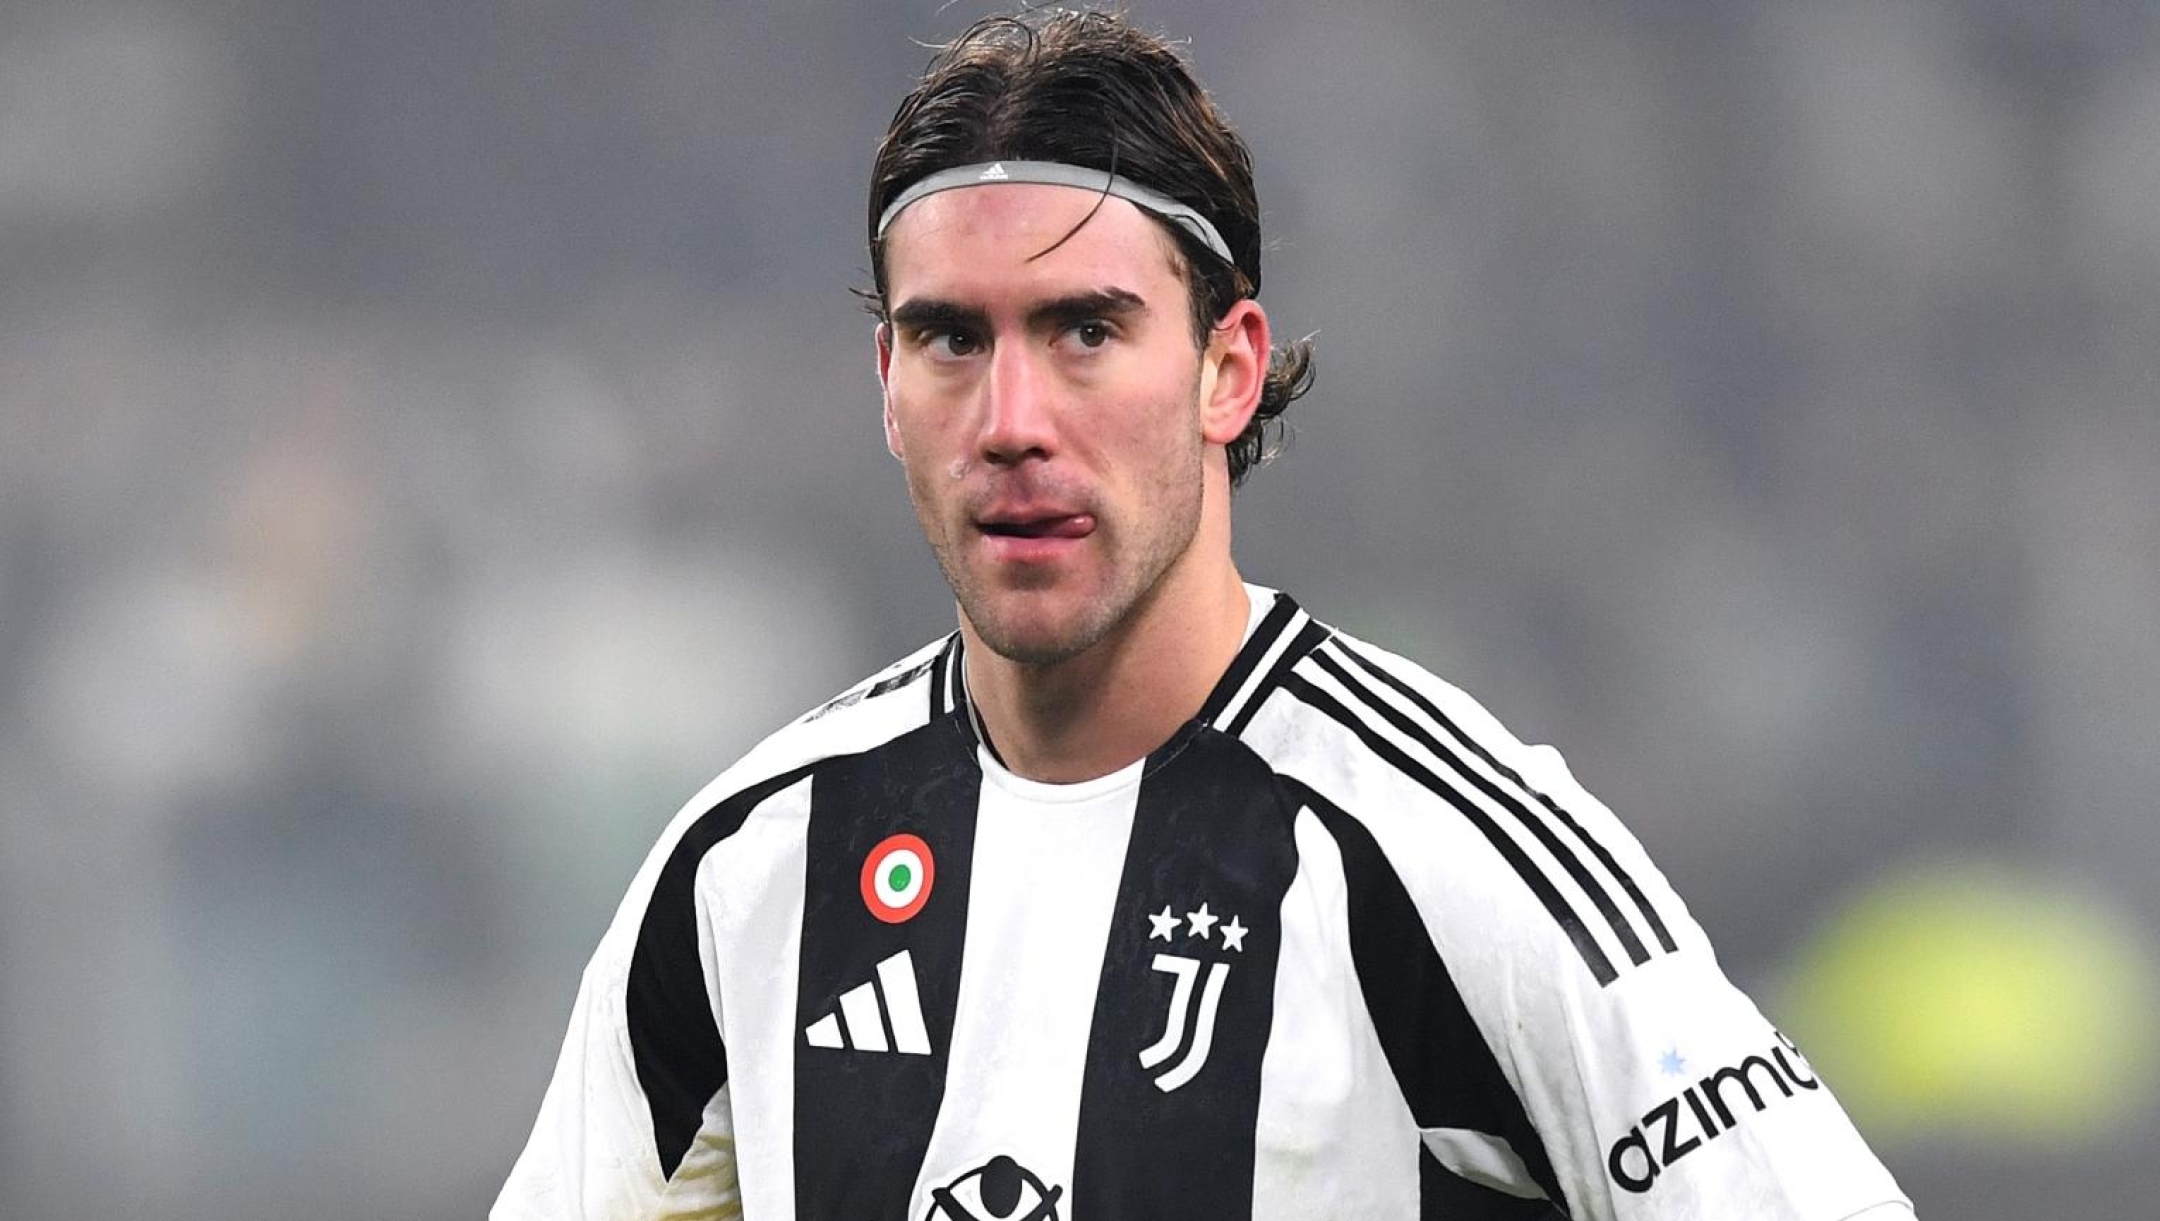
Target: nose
column 1018, row 412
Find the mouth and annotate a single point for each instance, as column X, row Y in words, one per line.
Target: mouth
column 1045, row 526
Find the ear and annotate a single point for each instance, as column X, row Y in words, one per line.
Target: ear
column 884, row 377
column 1233, row 371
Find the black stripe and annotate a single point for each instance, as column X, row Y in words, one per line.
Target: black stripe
column 869, row 691
column 1446, row 1070
column 1248, row 658
column 899, row 680
column 863, row 1119
column 1444, row 1195
column 884, row 1012
column 956, row 690
column 1538, row 827
column 1585, row 944
column 1211, row 827
column 1642, row 904
column 1307, row 640
column 674, row 1040
column 965, row 713
column 940, row 668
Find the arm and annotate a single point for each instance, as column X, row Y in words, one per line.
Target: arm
column 1661, row 1091
column 592, row 1152
column 637, row 1121
column 1557, row 1021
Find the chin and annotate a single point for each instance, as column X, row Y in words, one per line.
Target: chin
column 1033, row 646
column 1025, row 635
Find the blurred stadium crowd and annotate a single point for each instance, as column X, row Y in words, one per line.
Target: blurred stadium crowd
column 434, row 439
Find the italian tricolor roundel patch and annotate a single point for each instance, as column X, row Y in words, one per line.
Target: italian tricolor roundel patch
column 896, row 878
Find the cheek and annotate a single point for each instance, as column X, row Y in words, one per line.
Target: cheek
column 919, row 419
column 932, row 489
column 921, row 488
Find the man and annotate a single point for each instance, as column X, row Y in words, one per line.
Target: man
column 1144, row 894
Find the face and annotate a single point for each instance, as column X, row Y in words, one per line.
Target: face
column 1051, row 409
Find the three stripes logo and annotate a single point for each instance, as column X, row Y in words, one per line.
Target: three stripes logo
column 880, row 1015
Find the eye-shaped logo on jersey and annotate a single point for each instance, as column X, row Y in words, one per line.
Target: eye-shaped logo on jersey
column 1000, row 1189
column 1184, row 1030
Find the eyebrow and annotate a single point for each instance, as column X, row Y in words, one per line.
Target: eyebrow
column 928, row 313
column 923, row 315
column 1077, row 307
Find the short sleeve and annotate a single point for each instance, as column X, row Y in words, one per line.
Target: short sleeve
column 1664, row 1092
column 636, row 1121
column 592, row 1152
column 1556, row 1019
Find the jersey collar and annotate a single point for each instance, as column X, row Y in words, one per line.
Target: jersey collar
column 1278, row 634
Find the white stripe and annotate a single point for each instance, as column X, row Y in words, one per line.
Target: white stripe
column 759, row 1021
column 1316, row 1090
column 1484, row 1159
column 974, row 718
column 1259, row 674
column 1467, row 752
column 707, row 1183
column 1515, row 829
column 897, row 976
column 1027, row 990
column 825, row 1032
column 859, row 1008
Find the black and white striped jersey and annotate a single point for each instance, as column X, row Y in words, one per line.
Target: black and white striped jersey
column 1341, row 948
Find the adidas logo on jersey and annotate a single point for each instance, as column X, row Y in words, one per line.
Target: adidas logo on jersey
column 868, row 1009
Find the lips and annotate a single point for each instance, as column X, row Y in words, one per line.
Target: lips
column 1032, row 534
column 1039, row 525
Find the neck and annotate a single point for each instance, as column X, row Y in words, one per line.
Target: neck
column 1095, row 712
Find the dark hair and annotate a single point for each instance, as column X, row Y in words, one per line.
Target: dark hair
column 1088, row 89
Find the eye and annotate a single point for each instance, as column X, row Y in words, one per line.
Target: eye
column 948, row 344
column 1092, row 333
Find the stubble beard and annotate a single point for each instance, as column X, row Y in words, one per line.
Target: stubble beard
column 1015, row 624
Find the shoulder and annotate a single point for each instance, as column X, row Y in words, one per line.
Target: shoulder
column 1480, row 878
column 1492, row 837
column 1387, row 701
column 906, row 696
column 1385, row 721
column 898, row 699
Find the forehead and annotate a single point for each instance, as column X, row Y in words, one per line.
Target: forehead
column 984, row 242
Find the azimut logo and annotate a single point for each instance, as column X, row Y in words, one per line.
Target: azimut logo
column 1666, row 1133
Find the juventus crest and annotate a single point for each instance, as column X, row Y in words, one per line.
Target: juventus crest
column 1188, row 1029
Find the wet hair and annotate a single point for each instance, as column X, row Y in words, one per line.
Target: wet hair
column 1088, row 89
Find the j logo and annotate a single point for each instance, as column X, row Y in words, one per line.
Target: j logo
column 1183, row 1030
column 1173, row 1035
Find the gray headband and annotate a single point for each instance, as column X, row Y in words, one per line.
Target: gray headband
column 1058, row 174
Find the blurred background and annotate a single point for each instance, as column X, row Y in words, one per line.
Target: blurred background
column 435, row 439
